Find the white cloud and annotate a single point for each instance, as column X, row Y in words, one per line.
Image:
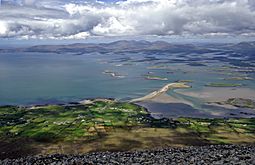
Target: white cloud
column 65, row 20
column 3, row 28
column 112, row 26
column 82, row 35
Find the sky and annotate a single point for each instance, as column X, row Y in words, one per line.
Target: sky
column 73, row 20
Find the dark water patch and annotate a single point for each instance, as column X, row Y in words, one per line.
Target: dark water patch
column 239, row 63
column 146, row 59
column 223, row 53
column 236, row 55
column 195, row 59
column 223, row 59
column 173, row 110
column 196, row 64
column 229, row 112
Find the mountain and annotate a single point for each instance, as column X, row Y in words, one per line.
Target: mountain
column 244, row 49
column 142, row 46
column 116, row 47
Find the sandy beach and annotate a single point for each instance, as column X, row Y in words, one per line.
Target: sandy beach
column 165, row 98
column 157, row 95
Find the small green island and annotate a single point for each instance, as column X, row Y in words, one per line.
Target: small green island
column 184, row 81
column 241, row 102
column 150, row 77
column 222, row 85
column 106, row 124
column 238, row 78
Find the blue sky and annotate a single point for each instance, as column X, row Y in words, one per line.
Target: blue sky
column 73, row 20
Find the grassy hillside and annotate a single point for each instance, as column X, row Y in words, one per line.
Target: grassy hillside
column 108, row 125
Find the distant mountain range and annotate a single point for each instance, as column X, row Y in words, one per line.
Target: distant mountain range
column 132, row 46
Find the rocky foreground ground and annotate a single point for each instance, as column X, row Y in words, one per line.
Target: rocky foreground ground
column 213, row 154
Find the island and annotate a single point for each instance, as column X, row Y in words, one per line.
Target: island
column 149, row 77
column 184, row 81
column 160, row 91
column 222, row 85
column 238, row 78
column 239, row 102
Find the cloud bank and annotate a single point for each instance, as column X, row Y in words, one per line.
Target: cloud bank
column 68, row 20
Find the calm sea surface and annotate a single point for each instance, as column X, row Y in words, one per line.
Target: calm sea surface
column 31, row 78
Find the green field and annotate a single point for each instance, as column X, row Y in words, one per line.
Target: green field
column 240, row 102
column 108, row 125
column 223, row 85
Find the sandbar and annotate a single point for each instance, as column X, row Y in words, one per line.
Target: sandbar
column 156, row 94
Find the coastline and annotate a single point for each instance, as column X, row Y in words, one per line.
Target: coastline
column 160, row 92
column 103, row 124
column 170, row 106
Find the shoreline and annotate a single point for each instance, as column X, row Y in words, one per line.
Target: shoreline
column 59, row 102
column 160, row 99
column 159, row 92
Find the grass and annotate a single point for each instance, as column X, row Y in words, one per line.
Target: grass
column 227, row 131
column 65, row 121
column 240, row 102
column 110, row 125
column 238, row 78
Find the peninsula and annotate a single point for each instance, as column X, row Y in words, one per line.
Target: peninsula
column 161, row 91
